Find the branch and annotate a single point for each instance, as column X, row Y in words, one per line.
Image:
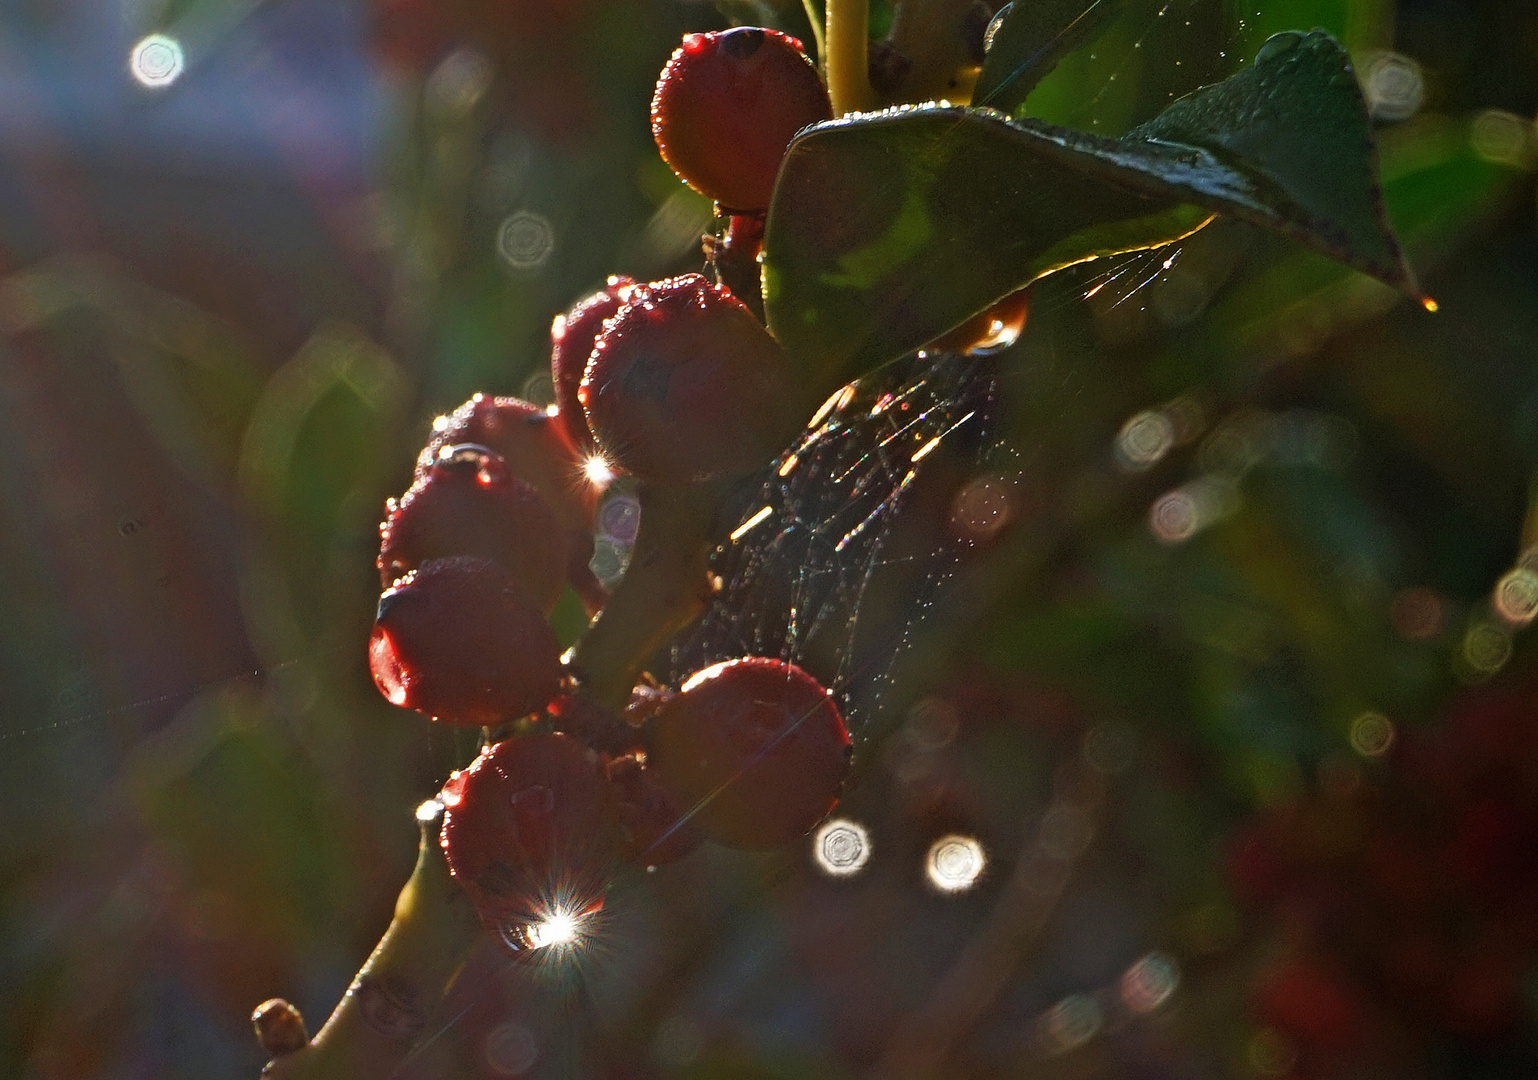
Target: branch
column 847, row 56
column 665, row 588
column 386, row 1010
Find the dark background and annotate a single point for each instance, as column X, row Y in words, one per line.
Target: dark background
column 230, row 307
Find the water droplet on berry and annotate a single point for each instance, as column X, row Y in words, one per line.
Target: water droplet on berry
column 558, row 930
column 487, row 464
column 598, row 471
column 389, row 674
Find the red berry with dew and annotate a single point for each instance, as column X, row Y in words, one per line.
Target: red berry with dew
column 727, row 106
column 530, row 831
column 684, row 386
column 536, row 446
column 654, row 829
column 462, row 641
column 755, row 747
column 468, row 503
column 572, row 335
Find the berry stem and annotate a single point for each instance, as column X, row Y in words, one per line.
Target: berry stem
column 735, row 259
column 846, row 53
column 395, row 994
column 664, row 588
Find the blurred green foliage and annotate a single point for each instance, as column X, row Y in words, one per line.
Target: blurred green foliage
column 207, row 803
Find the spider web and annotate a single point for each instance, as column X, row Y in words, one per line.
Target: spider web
column 822, row 563
column 835, row 556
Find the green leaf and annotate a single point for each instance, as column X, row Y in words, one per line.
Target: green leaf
column 1292, row 151
column 888, row 230
column 1031, row 38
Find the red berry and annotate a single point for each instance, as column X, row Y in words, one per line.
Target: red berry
column 652, row 826
column 727, row 106
column 468, row 504
column 684, row 385
column 755, row 748
column 461, row 640
column 593, row 725
column 530, row 831
column 534, row 443
column 571, row 343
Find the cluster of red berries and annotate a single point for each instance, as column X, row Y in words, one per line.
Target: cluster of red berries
column 676, row 383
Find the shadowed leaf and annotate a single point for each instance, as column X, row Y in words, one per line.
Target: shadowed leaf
column 889, row 229
column 1031, row 38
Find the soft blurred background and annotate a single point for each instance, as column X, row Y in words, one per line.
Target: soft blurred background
column 1226, row 693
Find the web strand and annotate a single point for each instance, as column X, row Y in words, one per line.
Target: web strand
column 812, row 533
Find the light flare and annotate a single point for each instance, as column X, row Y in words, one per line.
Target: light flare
column 749, row 525
column 557, row 928
column 598, row 471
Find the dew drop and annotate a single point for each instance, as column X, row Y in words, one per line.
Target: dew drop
column 1278, row 45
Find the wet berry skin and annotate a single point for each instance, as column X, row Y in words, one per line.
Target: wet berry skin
column 535, row 444
column 727, row 106
column 653, row 829
column 531, row 828
column 594, row 725
column 757, row 746
column 571, row 343
column 468, row 503
column 460, row 640
column 684, row 386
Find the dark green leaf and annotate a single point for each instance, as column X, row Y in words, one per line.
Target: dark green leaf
column 1292, row 151
column 888, row 230
column 1031, row 38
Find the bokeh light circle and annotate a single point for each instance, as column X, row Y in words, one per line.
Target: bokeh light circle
column 156, row 60
column 954, row 863
column 841, row 848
